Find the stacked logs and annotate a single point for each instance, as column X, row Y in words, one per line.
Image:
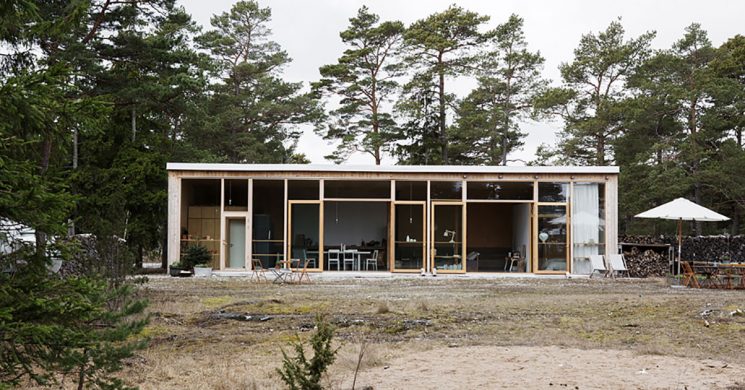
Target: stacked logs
column 648, row 263
column 699, row 248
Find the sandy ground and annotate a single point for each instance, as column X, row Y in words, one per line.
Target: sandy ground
column 491, row 367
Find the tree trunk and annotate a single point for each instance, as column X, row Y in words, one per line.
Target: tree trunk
column 441, row 93
column 600, row 151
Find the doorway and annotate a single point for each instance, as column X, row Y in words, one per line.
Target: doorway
column 305, row 240
column 448, row 248
column 236, row 243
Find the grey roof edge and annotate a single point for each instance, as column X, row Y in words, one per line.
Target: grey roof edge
column 174, row 166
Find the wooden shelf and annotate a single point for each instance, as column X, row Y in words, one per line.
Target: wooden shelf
column 268, row 240
column 409, row 242
column 448, row 242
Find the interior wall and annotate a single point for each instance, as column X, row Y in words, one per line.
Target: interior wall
column 490, row 232
column 521, row 229
column 357, row 222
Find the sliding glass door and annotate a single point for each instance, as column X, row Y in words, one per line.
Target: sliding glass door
column 448, row 248
column 408, row 242
column 305, row 240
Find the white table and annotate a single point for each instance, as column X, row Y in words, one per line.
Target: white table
column 357, row 257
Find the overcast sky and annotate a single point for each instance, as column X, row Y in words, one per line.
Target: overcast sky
column 309, row 32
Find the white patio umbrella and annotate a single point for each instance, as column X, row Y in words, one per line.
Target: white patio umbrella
column 682, row 210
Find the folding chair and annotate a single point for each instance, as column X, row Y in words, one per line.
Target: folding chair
column 618, row 265
column 259, row 272
column 689, row 277
column 303, row 273
column 598, row 264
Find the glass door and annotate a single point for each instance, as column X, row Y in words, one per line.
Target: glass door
column 305, row 240
column 448, row 249
column 408, row 237
column 552, row 254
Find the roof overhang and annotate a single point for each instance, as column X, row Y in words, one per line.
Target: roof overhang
column 464, row 169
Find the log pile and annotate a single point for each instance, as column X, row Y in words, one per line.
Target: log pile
column 648, row 263
column 699, row 248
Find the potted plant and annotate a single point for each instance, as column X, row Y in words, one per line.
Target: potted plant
column 198, row 258
column 176, row 268
column 203, row 270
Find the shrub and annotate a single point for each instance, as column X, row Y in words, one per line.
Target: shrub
column 300, row 373
column 196, row 254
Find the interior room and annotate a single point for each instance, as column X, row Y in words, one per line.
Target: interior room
column 498, row 237
column 355, row 226
column 268, row 221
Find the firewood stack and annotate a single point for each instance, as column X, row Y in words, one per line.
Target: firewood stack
column 699, row 248
column 648, row 263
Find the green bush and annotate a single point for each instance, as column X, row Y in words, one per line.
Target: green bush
column 195, row 254
column 300, row 373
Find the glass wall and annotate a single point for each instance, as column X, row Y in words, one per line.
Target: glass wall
column 303, row 190
column 500, row 190
column 200, row 216
column 552, row 238
column 409, row 232
column 588, row 225
column 447, row 244
column 268, row 221
column 357, row 229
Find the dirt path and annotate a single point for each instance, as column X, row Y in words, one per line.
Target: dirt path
column 490, row 367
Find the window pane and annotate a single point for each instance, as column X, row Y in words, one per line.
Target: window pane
column 552, row 238
column 304, row 234
column 411, row 190
column 371, row 189
column 446, row 190
column 302, row 189
column 500, row 190
column 588, row 224
column 236, row 195
column 553, row 192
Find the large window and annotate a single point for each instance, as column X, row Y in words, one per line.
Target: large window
column 302, row 190
column 357, row 189
column 268, row 221
column 200, row 216
column 409, row 236
column 447, row 240
column 588, row 224
column 500, row 190
column 236, row 195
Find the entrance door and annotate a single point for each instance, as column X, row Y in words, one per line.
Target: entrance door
column 553, row 254
column 408, row 241
column 448, row 247
column 305, row 240
column 237, row 243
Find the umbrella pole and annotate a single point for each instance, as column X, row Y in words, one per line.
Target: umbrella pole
column 680, row 241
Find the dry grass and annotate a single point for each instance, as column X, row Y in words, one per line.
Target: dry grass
column 189, row 347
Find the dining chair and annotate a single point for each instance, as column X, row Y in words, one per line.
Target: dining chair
column 334, row 258
column 349, row 257
column 372, row 260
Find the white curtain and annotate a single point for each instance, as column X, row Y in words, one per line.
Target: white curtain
column 587, row 226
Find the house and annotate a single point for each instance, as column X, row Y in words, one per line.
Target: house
column 452, row 219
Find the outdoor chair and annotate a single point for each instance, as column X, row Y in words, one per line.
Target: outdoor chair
column 259, row 272
column 689, row 277
column 303, row 273
column 372, row 261
column 334, row 258
column 598, row 264
column 310, row 260
column 618, row 265
column 349, row 258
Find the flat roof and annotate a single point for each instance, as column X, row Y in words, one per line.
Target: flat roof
column 388, row 168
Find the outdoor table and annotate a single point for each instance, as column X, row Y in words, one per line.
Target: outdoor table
column 731, row 271
column 284, row 274
column 710, row 272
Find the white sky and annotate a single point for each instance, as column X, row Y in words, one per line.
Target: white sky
column 309, row 32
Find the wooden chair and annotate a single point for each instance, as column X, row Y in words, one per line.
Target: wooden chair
column 300, row 274
column 689, row 277
column 618, row 265
column 259, row 272
column 598, row 264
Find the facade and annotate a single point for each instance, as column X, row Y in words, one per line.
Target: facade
column 448, row 219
